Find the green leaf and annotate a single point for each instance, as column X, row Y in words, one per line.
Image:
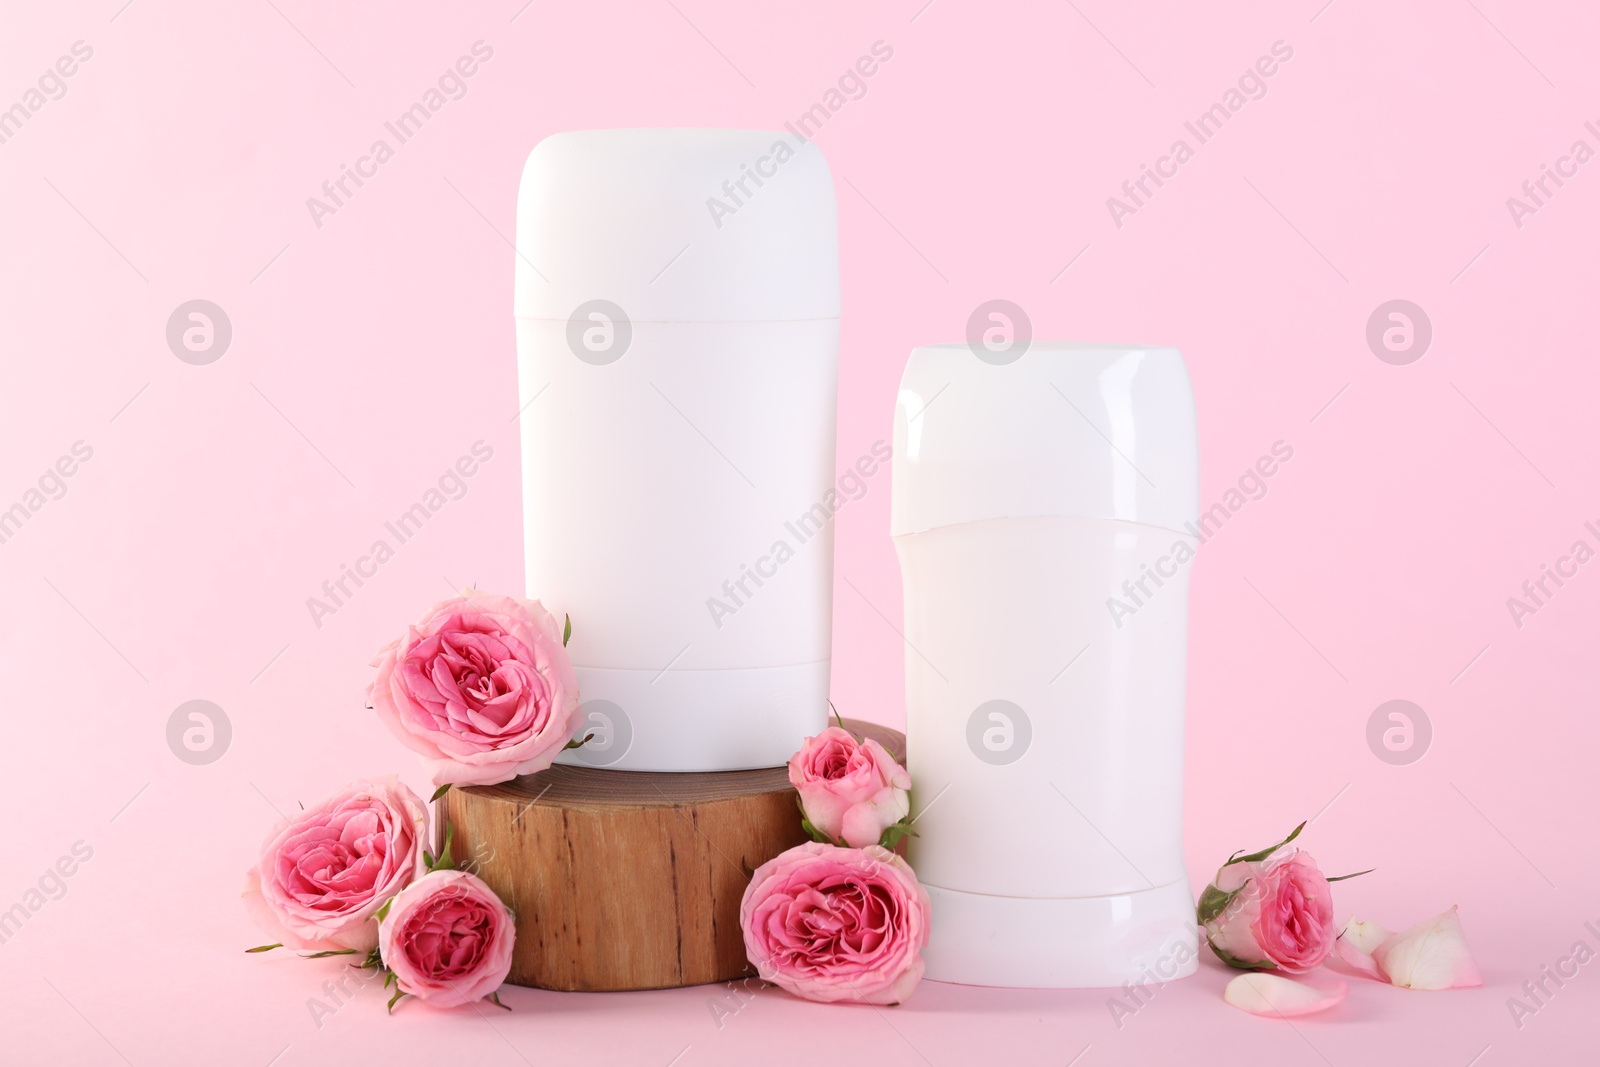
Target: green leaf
column 1358, row 874
column 265, row 948
column 1214, row 902
column 579, row 743
column 441, row 791
column 1257, row 857
column 566, row 632
column 328, row 952
column 494, row 998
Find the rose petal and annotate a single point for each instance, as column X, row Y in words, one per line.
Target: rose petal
column 1282, row 998
column 1356, row 944
column 1430, row 955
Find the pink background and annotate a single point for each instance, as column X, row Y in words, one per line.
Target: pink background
column 370, row 352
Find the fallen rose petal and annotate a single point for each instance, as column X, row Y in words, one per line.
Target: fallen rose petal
column 1356, row 944
column 1430, row 955
column 1282, row 998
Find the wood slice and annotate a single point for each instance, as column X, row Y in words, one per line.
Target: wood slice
column 629, row 879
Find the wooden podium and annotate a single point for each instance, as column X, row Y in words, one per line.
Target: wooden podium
column 629, row 879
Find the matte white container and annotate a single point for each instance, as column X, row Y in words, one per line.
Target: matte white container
column 1044, row 731
column 677, row 309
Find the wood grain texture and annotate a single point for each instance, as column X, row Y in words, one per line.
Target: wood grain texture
column 628, row 879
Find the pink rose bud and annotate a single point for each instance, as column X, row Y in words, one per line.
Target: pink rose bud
column 482, row 688
column 323, row 873
column 448, row 939
column 850, row 791
column 829, row 923
column 1270, row 910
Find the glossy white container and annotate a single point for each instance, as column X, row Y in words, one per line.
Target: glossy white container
column 1044, row 730
column 677, row 365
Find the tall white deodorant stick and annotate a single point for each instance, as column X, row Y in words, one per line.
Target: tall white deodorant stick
column 1038, row 500
column 677, row 309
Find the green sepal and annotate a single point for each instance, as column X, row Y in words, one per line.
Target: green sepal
column 839, row 721
column 1238, row 964
column 893, row 835
column 576, row 743
column 441, row 862
column 374, row 960
column 265, row 948
column 494, row 998
column 1214, row 902
column 383, row 912
column 441, row 791
column 398, row 993
column 566, row 632
column 328, row 952
column 1257, row 857
column 805, row 824
column 1358, row 874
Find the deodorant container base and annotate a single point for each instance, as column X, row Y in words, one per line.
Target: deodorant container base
column 677, row 313
column 1035, row 509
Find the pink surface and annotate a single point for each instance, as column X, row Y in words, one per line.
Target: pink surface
column 370, row 352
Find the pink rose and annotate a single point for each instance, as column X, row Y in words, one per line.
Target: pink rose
column 851, row 791
column 325, row 871
column 829, row 923
column 1270, row 911
column 448, row 939
column 482, row 687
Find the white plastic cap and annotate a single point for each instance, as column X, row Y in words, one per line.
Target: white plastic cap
column 1097, row 431
column 678, row 225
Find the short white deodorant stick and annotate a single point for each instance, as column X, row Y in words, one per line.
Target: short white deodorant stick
column 1037, row 499
column 677, row 307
